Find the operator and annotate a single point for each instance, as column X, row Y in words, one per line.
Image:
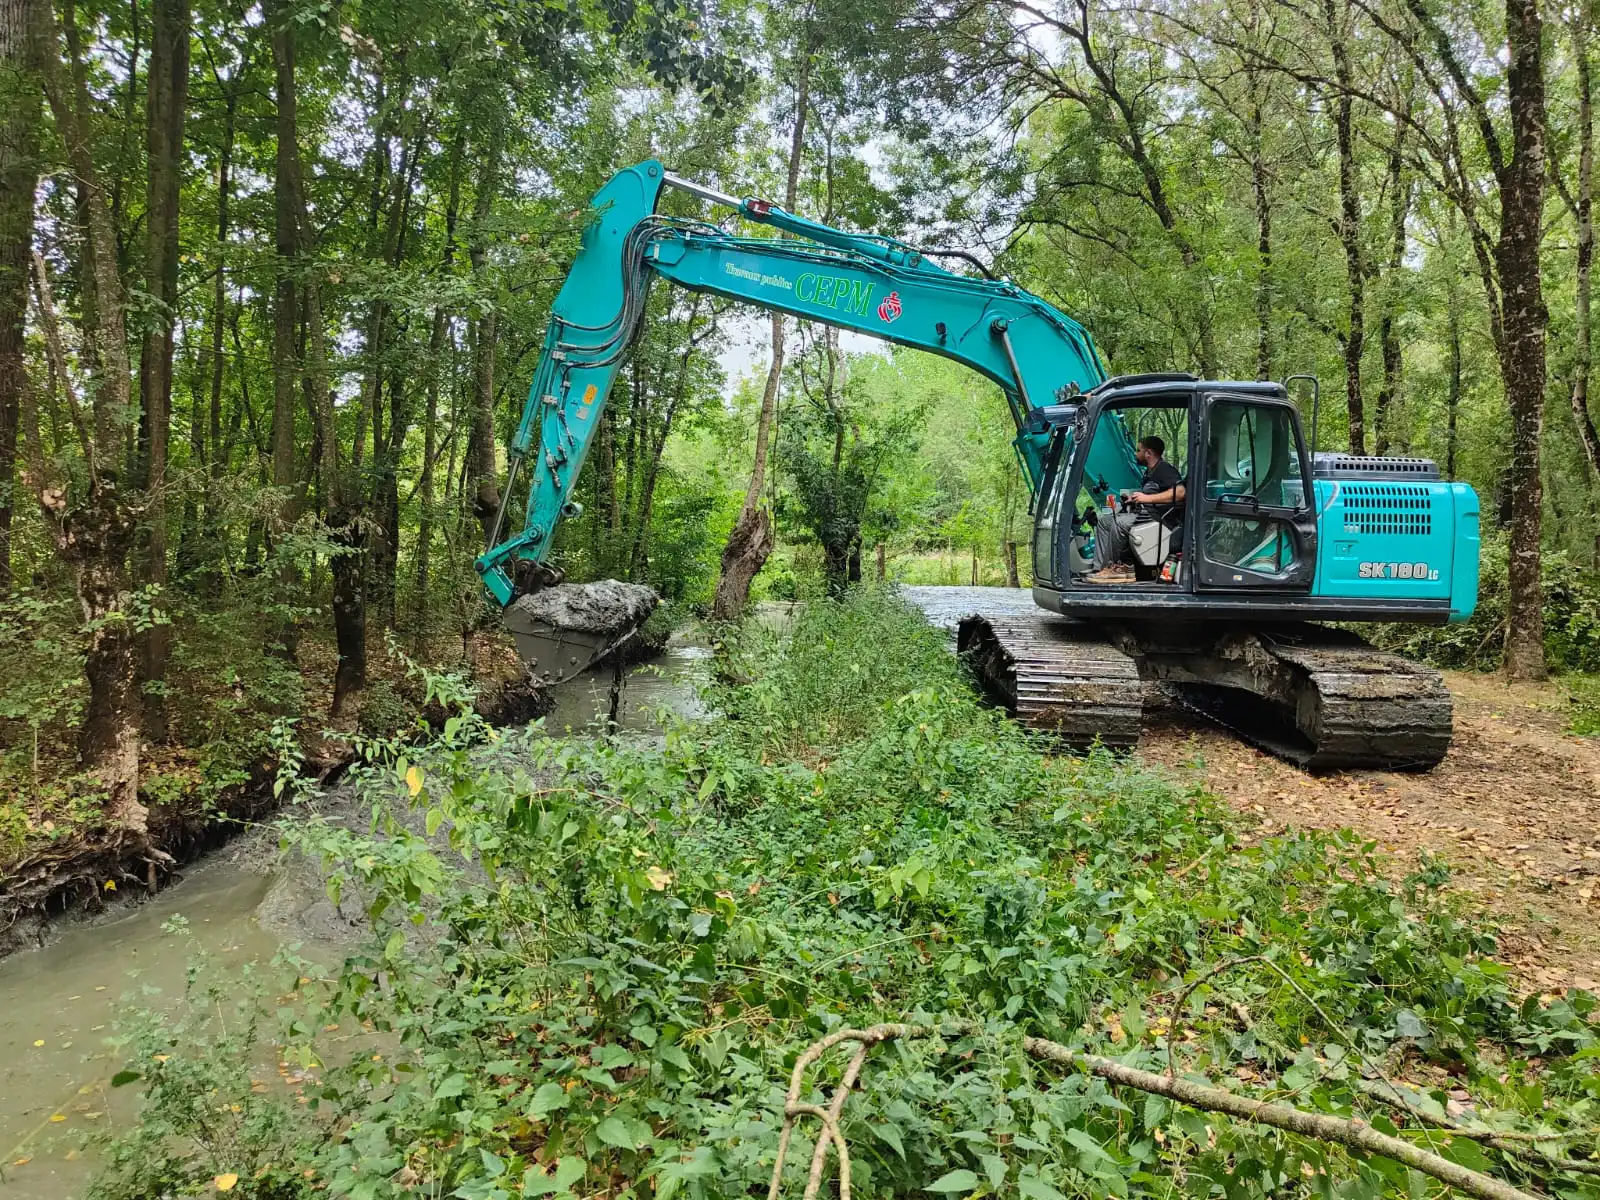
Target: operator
column 1161, row 490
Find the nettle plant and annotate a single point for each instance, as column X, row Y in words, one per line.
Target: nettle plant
column 595, row 963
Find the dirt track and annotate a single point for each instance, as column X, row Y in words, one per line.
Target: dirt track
column 1514, row 809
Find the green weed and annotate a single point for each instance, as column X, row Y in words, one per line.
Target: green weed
column 599, row 970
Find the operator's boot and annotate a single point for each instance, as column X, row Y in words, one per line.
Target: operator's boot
column 562, row 630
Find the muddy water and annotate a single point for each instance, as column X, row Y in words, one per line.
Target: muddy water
column 58, row 1005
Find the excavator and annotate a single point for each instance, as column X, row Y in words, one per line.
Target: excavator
column 1241, row 590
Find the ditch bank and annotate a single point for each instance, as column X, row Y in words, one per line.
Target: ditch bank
column 240, row 902
column 87, row 872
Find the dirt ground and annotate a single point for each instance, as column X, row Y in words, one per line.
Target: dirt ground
column 1514, row 809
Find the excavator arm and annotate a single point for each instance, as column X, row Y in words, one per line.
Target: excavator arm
column 872, row 284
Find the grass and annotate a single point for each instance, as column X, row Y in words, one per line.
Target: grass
column 609, row 1001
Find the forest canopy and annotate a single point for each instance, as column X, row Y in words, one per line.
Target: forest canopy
column 273, row 279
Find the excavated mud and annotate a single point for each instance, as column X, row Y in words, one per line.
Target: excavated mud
column 606, row 606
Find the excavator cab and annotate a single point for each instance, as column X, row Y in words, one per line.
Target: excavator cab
column 1245, row 522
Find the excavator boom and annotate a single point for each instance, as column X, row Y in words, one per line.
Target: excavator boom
column 865, row 282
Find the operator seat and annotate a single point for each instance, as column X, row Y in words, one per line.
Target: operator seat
column 1152, row 542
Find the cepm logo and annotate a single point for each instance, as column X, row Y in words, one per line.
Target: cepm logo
column 889, row 310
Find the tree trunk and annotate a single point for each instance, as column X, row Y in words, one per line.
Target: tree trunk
column 104, row 317
column 430, row 417
column 94, row 537
column 1400, row 189
column 1453, row 394
column 883, row 565
column 1263, row 206
column 388, row 444
column 1349, row 226
column 1013, row 576
column 343, row 517
column 1524, row 319
column 638, row 555
column 1582, row 352
column 285, row 307
column 348, row 564
column 166, row 91
column 212, row 534
column 425, row 488
column 604, row 522
column 751, row 540
column 483, row 467
column 20, row 104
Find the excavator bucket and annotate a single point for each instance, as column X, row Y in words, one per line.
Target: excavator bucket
column 562, row 630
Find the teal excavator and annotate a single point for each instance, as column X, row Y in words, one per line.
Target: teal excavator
column 1238, row 595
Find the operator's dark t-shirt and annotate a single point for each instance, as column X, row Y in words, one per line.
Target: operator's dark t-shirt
column 1162, row 477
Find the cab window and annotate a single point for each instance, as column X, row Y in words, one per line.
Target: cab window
column 1253, row 457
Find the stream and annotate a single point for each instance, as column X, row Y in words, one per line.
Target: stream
column 59, row 1004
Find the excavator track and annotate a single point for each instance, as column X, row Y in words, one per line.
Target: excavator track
column 1320, row 697
column 1333, row 702
column 1056, row 675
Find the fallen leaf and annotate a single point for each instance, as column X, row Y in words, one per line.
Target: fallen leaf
column 58, row 1116
column 39, row 1042
column 659, row 879
column 224, row 1183
column 414, row 780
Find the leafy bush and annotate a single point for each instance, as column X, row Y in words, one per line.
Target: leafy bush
column 1571, row 619
column 602, row 987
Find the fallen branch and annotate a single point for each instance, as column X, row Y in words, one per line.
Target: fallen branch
column 1507, row 1142
column 1352, row 1132
column 793, row 1108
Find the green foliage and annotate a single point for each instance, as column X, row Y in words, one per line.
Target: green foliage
column 43, row 663
column 1585, row 695
column 220, row 1045
column 1571, row 619
column 595, row 962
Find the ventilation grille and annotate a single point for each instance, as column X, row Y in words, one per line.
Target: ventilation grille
column 1387, row 508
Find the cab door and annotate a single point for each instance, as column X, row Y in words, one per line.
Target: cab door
column 1255, row 522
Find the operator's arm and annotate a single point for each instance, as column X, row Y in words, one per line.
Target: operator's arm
column 1173, row 495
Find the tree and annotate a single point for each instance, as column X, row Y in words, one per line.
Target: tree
column 21, row 101
column 166, row 92
column 751, row 540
